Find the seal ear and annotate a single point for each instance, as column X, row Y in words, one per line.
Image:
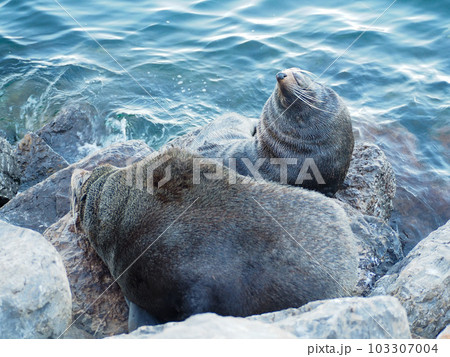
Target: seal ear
column 79, row 177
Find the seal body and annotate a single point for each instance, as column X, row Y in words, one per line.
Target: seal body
column 304, row 136
column 208, row 243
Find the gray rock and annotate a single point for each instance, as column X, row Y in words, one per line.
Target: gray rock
column 35, row 299
column 45, row 203
column 379, row 317
column 36, row 161
column 74, row 133
column 9, row 172
column 210, row 325
column 379, row 248
column 421, row 282
column 370, row 182
column 98, row 309
column 74, row 333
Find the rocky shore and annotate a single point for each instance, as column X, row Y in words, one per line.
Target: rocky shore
column 52, row 283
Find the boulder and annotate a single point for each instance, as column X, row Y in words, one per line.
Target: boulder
column 36, row 161
column 421, row 283
column 35, row 300
column 354, row 317
column 379, row 317
column 210, row 325
column 379, row 248
column 9, row 172
column 45, row 203
column 370, row 182
column 74, row 133
column 98, row 305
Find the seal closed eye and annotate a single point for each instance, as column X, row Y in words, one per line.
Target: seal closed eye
column 303, row 122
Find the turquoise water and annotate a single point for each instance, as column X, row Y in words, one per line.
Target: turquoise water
column 184, row 63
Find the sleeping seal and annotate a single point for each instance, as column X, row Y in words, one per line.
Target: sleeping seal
column 303, row 137
column 209, row 242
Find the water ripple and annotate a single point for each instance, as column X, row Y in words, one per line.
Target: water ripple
column 200, row 59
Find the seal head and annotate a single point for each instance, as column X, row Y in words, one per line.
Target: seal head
column 304, row 119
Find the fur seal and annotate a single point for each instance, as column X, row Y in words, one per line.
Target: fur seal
column 303, row 124
column 213, row 242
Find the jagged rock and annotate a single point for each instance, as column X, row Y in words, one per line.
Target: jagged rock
column 36, row 161
column 98, row 311
column 421, row 282
column 379, row 317
column 74, row 133
column 370, row 182
column 45, row 203
column 35, row 299
column 74, row 333
column 210, row 325
column 379, row 248
column 9, row 172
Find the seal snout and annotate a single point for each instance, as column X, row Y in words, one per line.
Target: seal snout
column 280, row 76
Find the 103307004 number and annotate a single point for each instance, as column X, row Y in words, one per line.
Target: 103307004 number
column 402, row 348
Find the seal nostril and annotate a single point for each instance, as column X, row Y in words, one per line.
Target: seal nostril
column 281, row 75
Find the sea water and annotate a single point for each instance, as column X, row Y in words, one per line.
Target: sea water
column 156, row 69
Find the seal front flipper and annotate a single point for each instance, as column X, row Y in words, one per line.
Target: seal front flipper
column 138, row 317
column 227, row 128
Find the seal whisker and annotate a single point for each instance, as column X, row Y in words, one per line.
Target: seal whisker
column 303, row 99
column 297, row 87
column 314, row 99
column 309, row 96
column 311, row 105
column 306, row 97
